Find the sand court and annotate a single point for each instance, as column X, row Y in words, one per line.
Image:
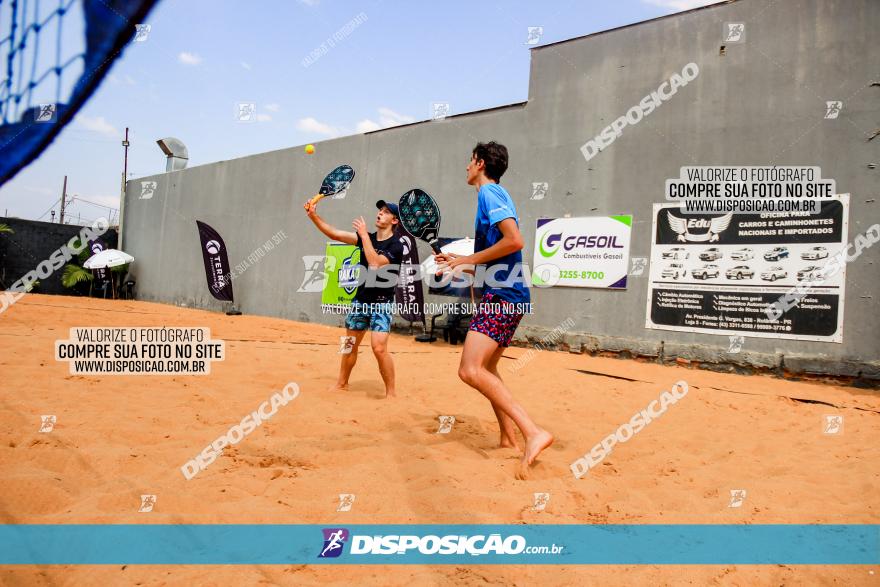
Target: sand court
column 116, row 438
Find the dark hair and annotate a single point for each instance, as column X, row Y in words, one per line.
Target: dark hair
column 495, row 156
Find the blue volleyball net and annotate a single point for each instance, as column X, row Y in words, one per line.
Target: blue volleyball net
column 53, row 56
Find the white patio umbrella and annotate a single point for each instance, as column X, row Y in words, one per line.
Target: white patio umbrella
column 464, row 246
column 108, row 258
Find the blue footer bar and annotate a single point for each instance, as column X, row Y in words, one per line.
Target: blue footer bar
column 545, row 544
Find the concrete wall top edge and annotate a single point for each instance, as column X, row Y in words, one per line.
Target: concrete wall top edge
column 635, row 24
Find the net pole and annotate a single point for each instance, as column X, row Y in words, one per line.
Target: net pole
column 125, row 144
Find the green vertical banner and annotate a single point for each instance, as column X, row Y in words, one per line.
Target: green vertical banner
column 342, row 270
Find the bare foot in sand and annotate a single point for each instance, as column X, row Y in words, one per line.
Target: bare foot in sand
column 534, row 446
column 338, row 387
column 390, row 394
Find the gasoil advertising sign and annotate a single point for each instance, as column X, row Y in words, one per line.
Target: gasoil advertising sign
column 582, row 252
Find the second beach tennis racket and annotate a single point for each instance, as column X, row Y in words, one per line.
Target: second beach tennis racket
column 420, row 215
column 336, row 181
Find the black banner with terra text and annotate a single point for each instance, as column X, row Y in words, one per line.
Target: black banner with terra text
column 217, row 268
column 409, row 292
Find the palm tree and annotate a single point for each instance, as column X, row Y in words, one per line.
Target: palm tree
column 74, row 274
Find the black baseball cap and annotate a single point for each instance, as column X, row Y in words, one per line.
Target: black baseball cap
column 390, row 205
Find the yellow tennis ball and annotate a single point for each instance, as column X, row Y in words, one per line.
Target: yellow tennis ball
column 310, row 149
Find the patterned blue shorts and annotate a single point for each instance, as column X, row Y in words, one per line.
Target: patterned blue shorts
column 375, row 317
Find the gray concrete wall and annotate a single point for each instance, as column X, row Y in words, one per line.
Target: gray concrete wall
column 760, row 103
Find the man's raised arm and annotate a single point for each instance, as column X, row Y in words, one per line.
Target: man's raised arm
column 331, row 231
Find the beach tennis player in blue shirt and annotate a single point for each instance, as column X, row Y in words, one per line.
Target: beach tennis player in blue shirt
column 498, row 244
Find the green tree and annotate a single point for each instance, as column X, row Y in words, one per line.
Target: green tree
column 74, row 275
column 74, row 272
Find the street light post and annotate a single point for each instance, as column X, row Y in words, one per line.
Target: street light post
column 125, row 144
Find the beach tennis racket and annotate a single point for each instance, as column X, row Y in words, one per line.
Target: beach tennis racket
column 336, row 181
column 420, row 215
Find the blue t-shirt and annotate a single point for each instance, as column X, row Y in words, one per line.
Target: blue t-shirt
column 494, row 204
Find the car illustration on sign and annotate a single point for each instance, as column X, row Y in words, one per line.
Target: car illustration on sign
column 776, row 254
column 811, row 273
column 815, row 253
column 705, row 272
column 676, row 253
column 774, row 273
column 712, row 254
column 742, row 254
column 674, row 271
column 740, row 272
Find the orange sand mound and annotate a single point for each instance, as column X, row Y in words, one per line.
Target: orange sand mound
column 118, row 437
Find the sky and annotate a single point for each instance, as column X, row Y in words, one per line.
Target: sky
column 392, row 59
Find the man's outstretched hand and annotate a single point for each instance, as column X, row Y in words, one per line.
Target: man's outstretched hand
column 451, row 261
column 444, row 257
column 360, row 227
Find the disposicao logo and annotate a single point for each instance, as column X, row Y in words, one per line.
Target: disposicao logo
column 635, row 114
column 408, row 545
column 334, row 541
